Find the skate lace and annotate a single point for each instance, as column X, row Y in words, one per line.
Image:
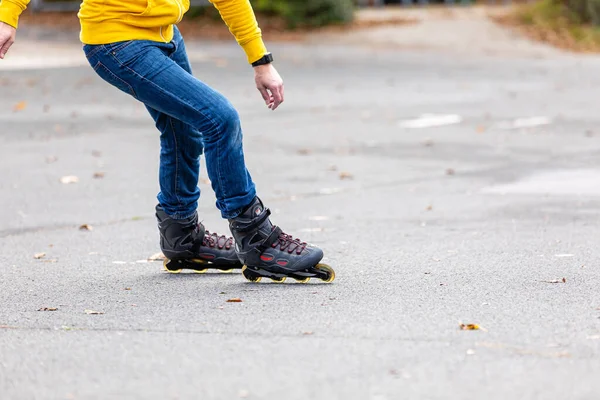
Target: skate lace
column 215, row 240
column 287, row 242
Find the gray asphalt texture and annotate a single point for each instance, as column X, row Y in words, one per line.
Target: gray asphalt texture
column 426, row 229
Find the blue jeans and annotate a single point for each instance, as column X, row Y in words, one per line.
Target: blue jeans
column 192, row 119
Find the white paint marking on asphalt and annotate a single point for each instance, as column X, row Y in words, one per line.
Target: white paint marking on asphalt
column 529, row 122
column 312, row 230
column 563, row 255
column 430, row 121
column 558, row 182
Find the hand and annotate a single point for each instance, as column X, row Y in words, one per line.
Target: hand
column 7, row 38
column 269, row 84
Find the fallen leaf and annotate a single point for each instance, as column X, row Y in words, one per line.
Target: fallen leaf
column 469, row 327
column 91, row 312
column 222, row 293
column 346, row 175
column 69, row 179
column 205, row 181
column 157, row 257
column 37, row 256
column 236, row 300
column 127, row 288
column 48, row 309
column 429, row 208
column 20, row 106
column 563, row 280
column 85, row 227
column 450, row 171
column 98, row 175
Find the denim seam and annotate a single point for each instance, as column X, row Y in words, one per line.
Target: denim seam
column 95, row 51
column 176, row 162
column 115, row 77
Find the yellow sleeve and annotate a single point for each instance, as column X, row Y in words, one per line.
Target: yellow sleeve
column 10, row 11
column 241, row 21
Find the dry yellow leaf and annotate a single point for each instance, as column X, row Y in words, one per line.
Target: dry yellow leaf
column 20, row 106
column 157, row 257
column 37, row 256
column 346, row 175
column 85, row 227
column 236, row 300
column 469, row 327
column 98, row 175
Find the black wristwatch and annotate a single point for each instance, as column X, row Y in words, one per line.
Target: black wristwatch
column 266, row 59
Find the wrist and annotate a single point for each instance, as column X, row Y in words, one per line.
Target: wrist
column 265, row 60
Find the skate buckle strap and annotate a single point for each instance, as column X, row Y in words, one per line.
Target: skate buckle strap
column 269, row 240
column 244, row 227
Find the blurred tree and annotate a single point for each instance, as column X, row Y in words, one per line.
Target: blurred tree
column 312, row 13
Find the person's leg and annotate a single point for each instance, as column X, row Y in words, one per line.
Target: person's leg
column 147, row 71
column 190, row 115
column 142, row 69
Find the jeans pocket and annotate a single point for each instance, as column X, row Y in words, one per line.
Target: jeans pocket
column 116, row 47
column 113, row 79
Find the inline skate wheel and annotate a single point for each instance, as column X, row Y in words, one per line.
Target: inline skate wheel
column 328, row 270
column 279, row 280
column 305, row 280
column 251, row 275
column 166, row 268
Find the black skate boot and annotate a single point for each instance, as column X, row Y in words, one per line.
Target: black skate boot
column 267, row 252
column 187, row 245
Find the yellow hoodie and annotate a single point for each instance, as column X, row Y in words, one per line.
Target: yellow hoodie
column 108, row 21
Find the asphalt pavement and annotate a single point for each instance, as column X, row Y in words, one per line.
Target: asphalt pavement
column 444, row 190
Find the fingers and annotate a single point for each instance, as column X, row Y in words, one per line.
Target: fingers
column 5, row 47
column 265, row 94
column 277, row 92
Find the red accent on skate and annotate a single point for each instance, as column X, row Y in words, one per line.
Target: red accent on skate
column 266, row 258
column 282, row 263
column 207, row 256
